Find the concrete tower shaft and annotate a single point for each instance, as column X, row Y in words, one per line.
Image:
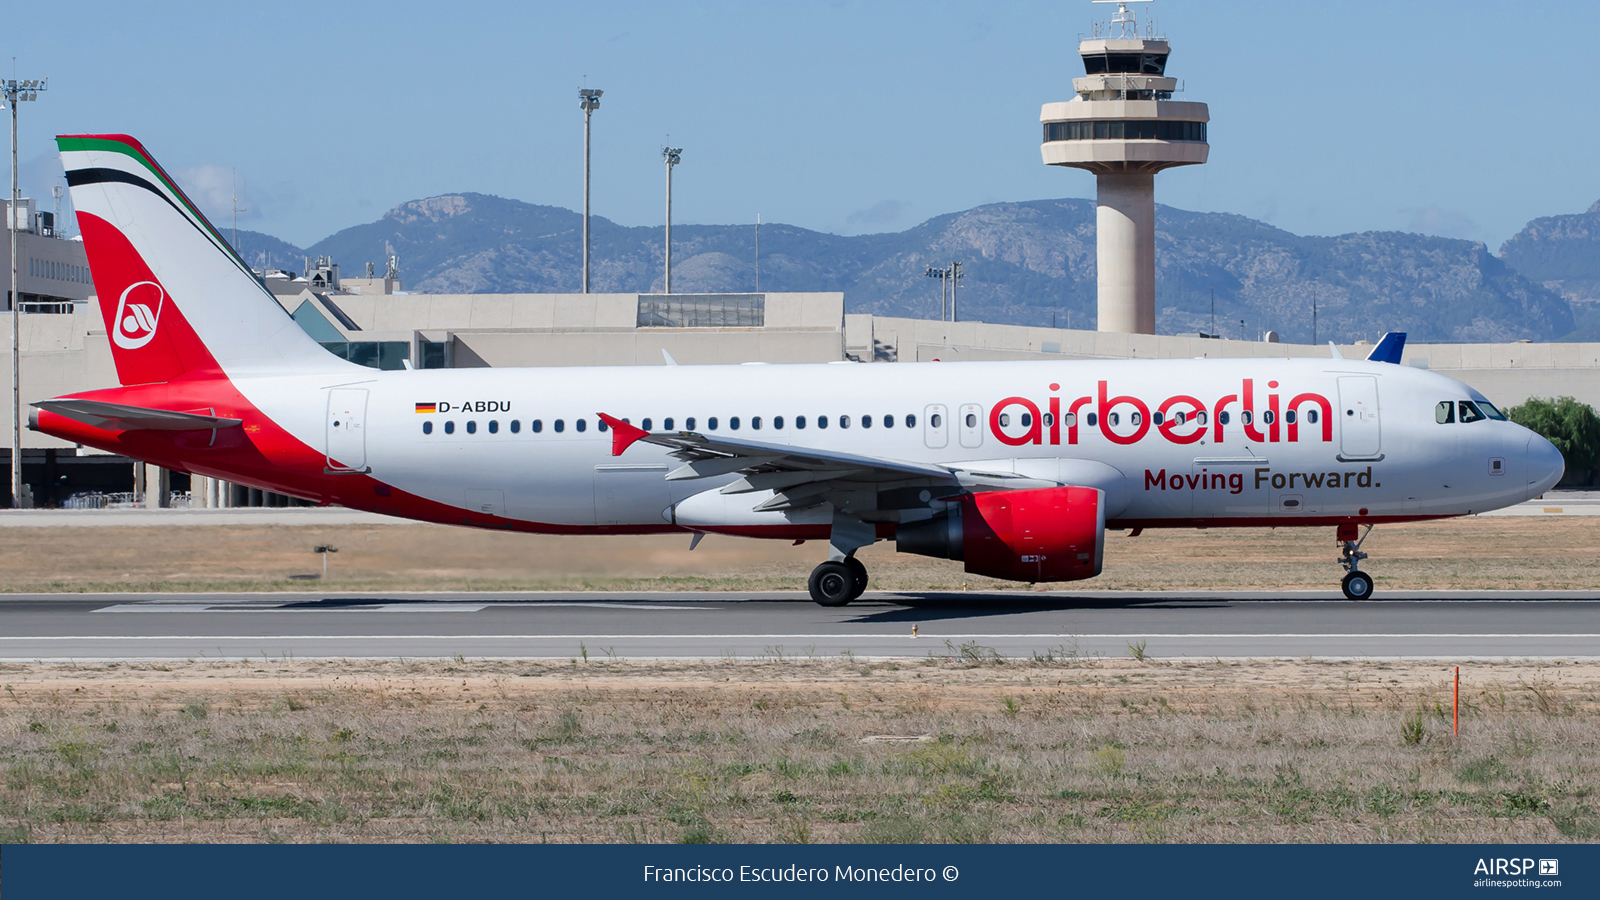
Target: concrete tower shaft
column 1124, row 127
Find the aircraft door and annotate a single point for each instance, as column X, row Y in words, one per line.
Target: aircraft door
column 1358, row 418
column 630, row 495
column 971, row 425
column 936, row 426
column 347, row 430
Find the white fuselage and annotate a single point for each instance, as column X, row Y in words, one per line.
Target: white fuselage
column 1383, row 456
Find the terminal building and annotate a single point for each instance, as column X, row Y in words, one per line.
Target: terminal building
column 65, row 352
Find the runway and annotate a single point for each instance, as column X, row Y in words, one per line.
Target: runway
column 1418, row 624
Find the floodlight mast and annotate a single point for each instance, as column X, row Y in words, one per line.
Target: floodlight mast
column 15, row 92
column 588, row 101
column 671, row 156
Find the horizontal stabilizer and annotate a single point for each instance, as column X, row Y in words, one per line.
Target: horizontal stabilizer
column 118, row 417
column 1388, row 349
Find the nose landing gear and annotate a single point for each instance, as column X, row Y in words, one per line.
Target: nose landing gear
column 1357, row 584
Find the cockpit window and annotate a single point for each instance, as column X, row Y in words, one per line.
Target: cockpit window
column 1470, row 412
column 1445, row 412
column 1489, row 410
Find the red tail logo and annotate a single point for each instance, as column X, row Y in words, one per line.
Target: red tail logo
column 138, row 312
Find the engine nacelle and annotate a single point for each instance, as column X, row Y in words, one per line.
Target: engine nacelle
column 1046, row 534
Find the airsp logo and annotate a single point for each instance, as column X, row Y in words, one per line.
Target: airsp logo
column 138, row 311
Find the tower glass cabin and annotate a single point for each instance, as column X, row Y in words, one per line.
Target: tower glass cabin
column 1124, row 126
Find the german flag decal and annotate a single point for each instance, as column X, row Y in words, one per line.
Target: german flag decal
column 427, row 407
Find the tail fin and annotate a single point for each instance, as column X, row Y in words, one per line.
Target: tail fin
column 177, row 300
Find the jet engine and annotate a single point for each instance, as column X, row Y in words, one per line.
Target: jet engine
column 1044, row 534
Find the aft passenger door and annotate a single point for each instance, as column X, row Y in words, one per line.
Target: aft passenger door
column 1359, row 436
column 347, row 430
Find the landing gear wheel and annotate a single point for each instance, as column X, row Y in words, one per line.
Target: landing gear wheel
column 1357, row 586
column 859, row 572
column 832, row 584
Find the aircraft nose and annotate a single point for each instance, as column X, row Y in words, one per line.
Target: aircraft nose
column 1545, row 466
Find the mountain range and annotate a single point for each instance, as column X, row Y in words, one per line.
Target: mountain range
column 1030, row 263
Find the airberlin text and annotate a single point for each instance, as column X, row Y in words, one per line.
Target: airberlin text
column 1180, row 419
column 483, row 406
column 1234, row 482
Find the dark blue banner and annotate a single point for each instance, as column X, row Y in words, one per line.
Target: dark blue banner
column 33, row 872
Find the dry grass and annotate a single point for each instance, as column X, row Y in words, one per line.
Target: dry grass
column 1003, row 751
column 1501, row 552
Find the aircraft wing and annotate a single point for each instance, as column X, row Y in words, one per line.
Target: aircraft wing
column 802, row 476
column 119, row 417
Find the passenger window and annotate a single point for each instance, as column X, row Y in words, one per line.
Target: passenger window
column 937, row 421
column 1223, row 417
column 866, row 421
column 733, row 423
column 1246, row 417
column 1005, row 419
column 494, row 426
column 1027, row 420
column 516, row 426
column 972, row 420
column 1114, row 418
column 688, row 423
column 1289, row 417
column 888, row 421
column 583, row 424
column 600, row 424
column 1469, row 412
column 1156, row 418
column 561, row 426
column 449, row 428
column 1136, row 419
column 822, row 421
column 1091, row 419
column 645, row 424
column 1070, row 420
column 1178, row 418
column 1267, row 417
column 711, row 423
column 472, row 427
column 427, row 428
column 844, row 421
column 755, row 423
column 800, row 422
column 1312, row 416
column 911, row 421
column 667, row 423
column 1201, row 417
column 537, row 425
column 777, row 422
column 1049, row 419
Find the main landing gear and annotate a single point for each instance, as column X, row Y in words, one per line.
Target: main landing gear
column 837, row 582
column 1357, row 584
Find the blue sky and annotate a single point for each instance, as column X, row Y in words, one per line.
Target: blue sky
column 1458, row 118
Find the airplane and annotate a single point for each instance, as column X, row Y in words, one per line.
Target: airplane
column 1017, row 469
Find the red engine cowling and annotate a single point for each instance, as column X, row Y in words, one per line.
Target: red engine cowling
column 1046, row 534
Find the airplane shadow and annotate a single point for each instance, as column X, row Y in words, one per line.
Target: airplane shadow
column 925, row 607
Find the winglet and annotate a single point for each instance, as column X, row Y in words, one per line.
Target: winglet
column 622, row 434
column 1388, row 349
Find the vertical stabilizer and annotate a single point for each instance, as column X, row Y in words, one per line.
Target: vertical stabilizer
column 177, row 300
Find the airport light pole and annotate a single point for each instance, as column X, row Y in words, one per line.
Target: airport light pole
column 955, row 279
column 16, row 92
column 671, row 156
column 589, row 101
column 943, row 275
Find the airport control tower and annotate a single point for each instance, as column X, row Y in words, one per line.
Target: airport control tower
column 1124, row 127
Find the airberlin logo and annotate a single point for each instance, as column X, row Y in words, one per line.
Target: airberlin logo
column 1180, row 419
column 138, row 312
